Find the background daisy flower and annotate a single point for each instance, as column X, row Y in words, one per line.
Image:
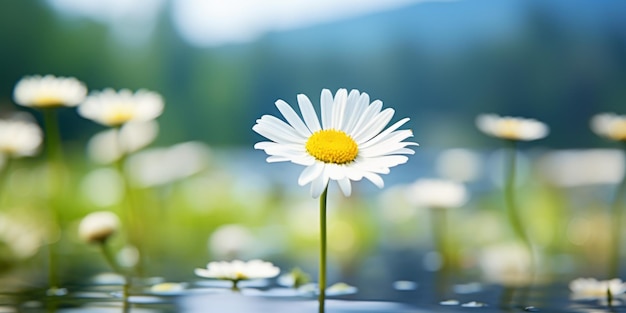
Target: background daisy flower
column 49, row 91
column 19, row 137
column 512, row 128
column 350, row 143
column 115, row 108
column 437, row 193
column 238, row 270
column 591, row 288
column 609, row 125
column 97, row 227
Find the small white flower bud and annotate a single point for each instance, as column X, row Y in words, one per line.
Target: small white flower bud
column 97, row 227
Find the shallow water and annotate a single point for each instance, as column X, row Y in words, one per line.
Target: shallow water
column 410, row 297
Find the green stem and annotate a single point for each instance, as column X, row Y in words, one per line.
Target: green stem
column 509, row 198
column 134, row 226
column 54, row 155
column 616, row 220
column 108, row 256
column 322, row 273
column 439, row 228
column 235, row 287
column 4, row 176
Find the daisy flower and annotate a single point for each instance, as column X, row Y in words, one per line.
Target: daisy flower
column 350, row 143
column 437, row 193
column 609, row 125
column 97, row 227
column 591, row 288
column 115, row 108
column 111, row 144
column 512, row 128
column 19, row 137
column 238, row 270
column 49, row 91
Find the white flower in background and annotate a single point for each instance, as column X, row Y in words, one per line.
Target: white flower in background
column 97, row 227
column 437, row 193
column 459, row 164
column 115, row 108
column 19, row 137
column 49, row 91
column 229, row 241
column 168, row 288
column 160, row 166
column 508, row 264
column 591, row 288
column 109, row 145
column 238, row 270
column 350, row 143
column 609, row 125
column 584, row 167
column 20, row 237
column 512, row 128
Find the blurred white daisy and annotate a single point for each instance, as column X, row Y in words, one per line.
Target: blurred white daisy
column 49, row 91
column 437, row 193
column 512, row 128
column 591, row 288
column 230, row 240
column 609, row 125
column 115, row 108
column 350, row 143
column 109, row 145
column 97, row 227
column 509, row 264
column 161, row 166
column 19, row 137
column 238, row 270
column 20, row 236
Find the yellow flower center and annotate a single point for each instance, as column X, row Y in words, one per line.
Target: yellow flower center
column 332, row 146
column 48, row 101
column 120, row 116
column 618, row 131
column 510, row 129
column 240, row 276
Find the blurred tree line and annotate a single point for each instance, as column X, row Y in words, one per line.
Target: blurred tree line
column 559, row 61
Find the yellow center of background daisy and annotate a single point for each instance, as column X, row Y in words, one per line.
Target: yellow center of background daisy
column 510, row 129
column 332, row 146
column 618, row 131
column 119, row 116
column 47, row 101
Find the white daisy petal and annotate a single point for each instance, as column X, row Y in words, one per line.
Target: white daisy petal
column 308, row 113
column 373, row 127
column 339, row 108
column 359, row 106
column 375, row 179
column 277, row 130
column 292, row 118
column 368, row 114
column 318, row 184
column 345, row 186
column 386, row 132
column 310, row 173
column 326, row 104
column 335, row 171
